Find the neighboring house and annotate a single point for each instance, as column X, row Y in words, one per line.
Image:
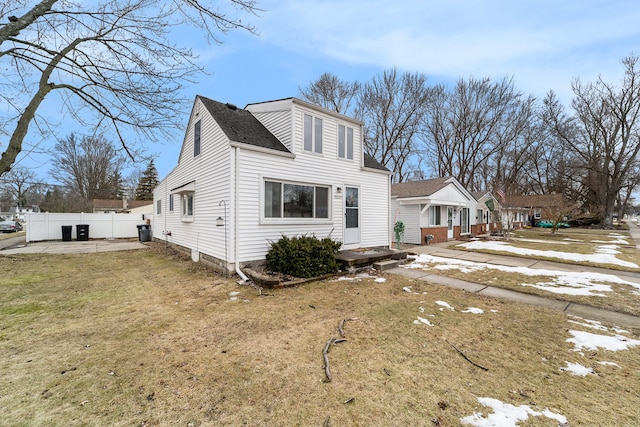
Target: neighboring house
column 275, row 168
column 529, row 209
column 439, row 207
column 20, row 213
column 488, row 213
column 119, row 205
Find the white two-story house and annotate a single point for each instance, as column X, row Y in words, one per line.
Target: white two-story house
column 246, row 177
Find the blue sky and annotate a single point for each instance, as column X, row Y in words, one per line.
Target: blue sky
column 542, row 44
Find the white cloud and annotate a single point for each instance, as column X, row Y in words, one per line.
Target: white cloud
column 544, row 44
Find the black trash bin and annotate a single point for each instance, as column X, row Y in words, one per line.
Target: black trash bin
column 66, row 233
column 82, row 232
column 144, row 233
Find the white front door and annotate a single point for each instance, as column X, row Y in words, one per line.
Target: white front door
column 449, row 223
column 351, row 215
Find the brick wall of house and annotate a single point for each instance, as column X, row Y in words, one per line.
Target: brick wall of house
column 479, row 229
column 439, row 234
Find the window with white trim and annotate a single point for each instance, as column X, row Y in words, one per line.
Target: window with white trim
column 435, row 216
column 537, row 213
column 187, row 205
column 345, row 142
column 312, row 134
column 159, row 207
column 170, row 202
column 295, row 200
column 196, row 138
column 464, row 221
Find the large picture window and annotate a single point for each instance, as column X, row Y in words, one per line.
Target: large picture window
column 294, row 200
column 312, row 134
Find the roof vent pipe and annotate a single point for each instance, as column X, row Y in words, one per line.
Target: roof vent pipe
column 231, row 106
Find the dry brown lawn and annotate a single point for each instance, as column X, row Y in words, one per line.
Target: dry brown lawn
column 148, row 338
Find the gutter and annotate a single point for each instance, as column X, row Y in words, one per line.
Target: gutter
column 243, row 278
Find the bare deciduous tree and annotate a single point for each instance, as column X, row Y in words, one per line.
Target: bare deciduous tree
column 21, row 185
column 113, row 63
column 331, row 93
column 88, row 167
column 603, row 135
column 392, row 106
column 465, row 127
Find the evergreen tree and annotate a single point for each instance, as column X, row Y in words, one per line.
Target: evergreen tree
column 148, row 182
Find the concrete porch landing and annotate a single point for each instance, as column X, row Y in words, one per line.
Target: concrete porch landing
column 356, row 258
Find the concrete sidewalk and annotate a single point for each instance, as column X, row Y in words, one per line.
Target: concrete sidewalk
column 58, row 247
column 584, row 311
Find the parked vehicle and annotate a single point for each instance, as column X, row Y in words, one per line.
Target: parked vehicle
column 545, row 223
column 10, row 226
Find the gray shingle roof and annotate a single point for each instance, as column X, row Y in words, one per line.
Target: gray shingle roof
column 422, row 188
column 241, row 126
column 370, row 162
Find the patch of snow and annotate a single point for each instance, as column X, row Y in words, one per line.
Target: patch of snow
column 445, row 305
column 607, row 249
column 422, row 320
column 591, row 324
column 599, row 258
column 506, row 415
column 473, row 310
column 380, row 280
column 234, row 294
column 609, row 363
column 562, row 282
column 577, row 369
column 589, row 341
column 542, row 241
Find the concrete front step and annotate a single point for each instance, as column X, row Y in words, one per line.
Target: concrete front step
column 387, row 264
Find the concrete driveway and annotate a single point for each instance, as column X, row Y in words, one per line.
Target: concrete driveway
column 73, row 247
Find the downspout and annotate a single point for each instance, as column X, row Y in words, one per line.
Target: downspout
column 236, row 215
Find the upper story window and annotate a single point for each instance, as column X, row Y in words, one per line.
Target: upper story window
column 312, row 134
column 196, row 139
column 345, row 142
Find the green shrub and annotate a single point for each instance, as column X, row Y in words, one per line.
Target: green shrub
column 303, row 256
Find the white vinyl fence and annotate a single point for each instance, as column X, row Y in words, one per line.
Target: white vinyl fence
column 48, row 226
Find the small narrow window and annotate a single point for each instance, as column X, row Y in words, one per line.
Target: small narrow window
column 196, row 139
column 312, row 134
column 434, row 215
column 170, row 202
column 187, row 205
column 159, row 207
column 345, row 142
